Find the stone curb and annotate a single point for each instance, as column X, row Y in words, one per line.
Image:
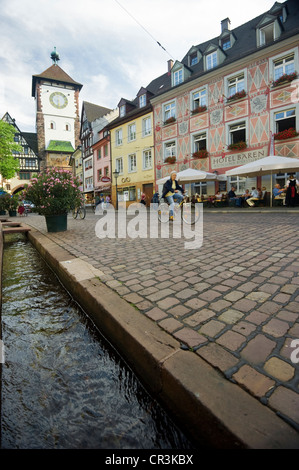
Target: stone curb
column 214, row 412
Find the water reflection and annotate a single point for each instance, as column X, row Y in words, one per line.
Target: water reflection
column 62, row 385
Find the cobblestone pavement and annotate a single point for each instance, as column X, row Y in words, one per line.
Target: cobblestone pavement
column 234, row 301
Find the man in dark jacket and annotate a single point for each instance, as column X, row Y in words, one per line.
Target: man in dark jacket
column 171, row 192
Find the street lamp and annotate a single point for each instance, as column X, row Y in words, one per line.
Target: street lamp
column 116, row 175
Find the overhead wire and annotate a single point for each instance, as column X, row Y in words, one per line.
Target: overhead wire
column 159, row 44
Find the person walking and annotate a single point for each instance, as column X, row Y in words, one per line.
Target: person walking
column 291, row 193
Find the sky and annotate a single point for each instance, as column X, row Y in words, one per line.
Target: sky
column 109, row 46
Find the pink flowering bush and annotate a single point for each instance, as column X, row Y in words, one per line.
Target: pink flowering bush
column 54, row 191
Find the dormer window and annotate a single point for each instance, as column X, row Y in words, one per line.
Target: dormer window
column 178, row 77
column 211, row 60
column 142, row 101
column 193, row 59
column 122, row 110
column 225, row 43
column 267, row 35
column 268, row 29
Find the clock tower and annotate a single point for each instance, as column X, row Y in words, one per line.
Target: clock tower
column 57, row 115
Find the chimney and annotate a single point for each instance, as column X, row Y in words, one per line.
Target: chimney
column 225, row 24
column 170, row 65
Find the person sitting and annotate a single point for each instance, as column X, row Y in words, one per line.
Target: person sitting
column 171, row 192
column 255, row 196
column 233, row 197
column 279, row 194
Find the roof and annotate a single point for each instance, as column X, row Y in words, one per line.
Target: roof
column 54, row 73
column 93, row 111
column 31, row 139
column 244, row 45
column 60, row 146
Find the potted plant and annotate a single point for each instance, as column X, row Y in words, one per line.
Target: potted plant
column 199, row 109
column 202, row 153
column 170, row 160
column 12, row 205
column 54, row 193
column 286, row 134
column 237, row 146
column 170, row 120
column 237, row 96
column 285, row 78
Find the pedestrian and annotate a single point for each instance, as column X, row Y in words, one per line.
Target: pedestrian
column 21, row 210
column 291, row 193
column 143, row 199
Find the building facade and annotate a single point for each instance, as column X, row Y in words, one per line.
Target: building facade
column 28, row 158
column 57, row 115
column 91, row 121
column 219, row 107
column 132, row 149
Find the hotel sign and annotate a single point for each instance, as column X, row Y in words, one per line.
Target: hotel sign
column 238, row 159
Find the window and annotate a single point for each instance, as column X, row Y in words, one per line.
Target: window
column 119, row 166
column 131, row 132
column 169, row 110
column 118, row 137
column 106, row 170
column 146, row 127
column 24, row 175
column 132, row 163
column 52, row 125
column 147, row 160
column 199, row 98
column 199, row 142
column 211, row 60
column 178, row 77
column 88, row 164
column 142, row 101
column 67, row 127
column 122, row 110
column 225, row 43
column 201, row 188
column 237, row 133
column 193, row 59
column 99, row 155
column 285, row 119
column 235, row 84
column 106, row 150
column 99, row 175
column 238, row 183
column 267, row 35
column 285, row 65
column 169, row 149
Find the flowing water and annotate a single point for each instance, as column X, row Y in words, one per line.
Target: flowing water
column 63, row 385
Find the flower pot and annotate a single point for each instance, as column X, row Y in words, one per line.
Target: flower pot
column 56, row 223
column 12, row 213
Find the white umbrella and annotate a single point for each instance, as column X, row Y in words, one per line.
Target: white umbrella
column 265, row 166
column 190, row 175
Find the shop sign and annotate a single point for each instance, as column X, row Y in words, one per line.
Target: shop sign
column 237, row 159
column 105, row 179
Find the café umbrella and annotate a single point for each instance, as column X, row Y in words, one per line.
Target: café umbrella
column 266, row 166
column 190, row 176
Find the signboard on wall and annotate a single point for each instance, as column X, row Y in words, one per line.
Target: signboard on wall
column 238, row 159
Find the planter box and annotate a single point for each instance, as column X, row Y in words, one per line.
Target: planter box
column 56, row 223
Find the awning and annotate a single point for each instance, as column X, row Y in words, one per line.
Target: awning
column 103, row 187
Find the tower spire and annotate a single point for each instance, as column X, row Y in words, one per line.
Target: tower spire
column 55, row 56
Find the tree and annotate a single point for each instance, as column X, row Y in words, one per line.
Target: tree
column 9, row 164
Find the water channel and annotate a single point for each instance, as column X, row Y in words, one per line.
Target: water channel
column 63, row 385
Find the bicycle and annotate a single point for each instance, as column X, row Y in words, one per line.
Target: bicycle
column 79, row 211
column 189, row 212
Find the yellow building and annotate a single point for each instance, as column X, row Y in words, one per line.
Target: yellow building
column 132, row 150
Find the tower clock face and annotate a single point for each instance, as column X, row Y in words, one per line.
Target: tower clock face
column 58, row 100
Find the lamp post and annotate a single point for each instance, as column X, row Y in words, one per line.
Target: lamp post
column 116, row 175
